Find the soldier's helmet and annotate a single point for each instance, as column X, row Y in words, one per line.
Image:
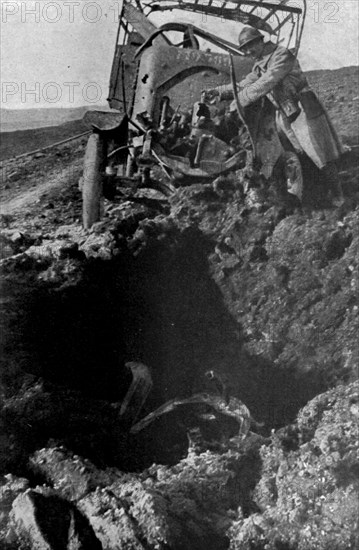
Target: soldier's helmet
column 247, row 35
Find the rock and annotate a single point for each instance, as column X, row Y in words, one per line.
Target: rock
column 110, row 521
column 162, row 513
column 74, row 232
column 62, row 272
column 10, row 488
column 19, row 262
column 104, row 497
column 99, row 246
column 13, row 242
column 309, row 497
column 184, row 506
column 17, row 237
column 72, row 476
column 99, row 227
column 50, row 523
column 48, row 249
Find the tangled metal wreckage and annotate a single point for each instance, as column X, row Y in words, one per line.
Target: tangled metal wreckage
column 211, row 420
column 161, row 132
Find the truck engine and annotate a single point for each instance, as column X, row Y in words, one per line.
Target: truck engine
column 195, row 142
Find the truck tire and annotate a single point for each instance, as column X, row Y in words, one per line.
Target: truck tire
column 92, row 180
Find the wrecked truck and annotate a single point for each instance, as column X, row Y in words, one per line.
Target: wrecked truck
column 160, row 132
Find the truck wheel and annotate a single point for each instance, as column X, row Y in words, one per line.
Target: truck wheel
column 92, row 180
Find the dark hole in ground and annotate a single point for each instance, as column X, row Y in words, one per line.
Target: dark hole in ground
column 161, row 308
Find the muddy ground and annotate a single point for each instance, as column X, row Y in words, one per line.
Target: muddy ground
column 205, row 280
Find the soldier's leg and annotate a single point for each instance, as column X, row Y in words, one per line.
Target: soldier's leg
column 320, row 146
column 330, row 176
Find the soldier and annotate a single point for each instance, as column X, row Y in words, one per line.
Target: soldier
column 300, row 116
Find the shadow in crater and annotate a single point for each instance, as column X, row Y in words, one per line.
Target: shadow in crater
column 162, row 308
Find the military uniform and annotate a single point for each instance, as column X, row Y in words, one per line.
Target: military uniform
column 300, row 115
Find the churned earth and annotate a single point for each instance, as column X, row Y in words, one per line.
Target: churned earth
column 256, row 288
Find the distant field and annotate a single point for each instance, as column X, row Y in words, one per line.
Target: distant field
column 12, row 120
column 16, row 143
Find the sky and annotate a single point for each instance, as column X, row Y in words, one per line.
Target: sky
column 59, row 53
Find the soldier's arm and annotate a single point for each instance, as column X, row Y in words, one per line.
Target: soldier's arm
column 249, row 79
column 279, row 67
column 225, row 91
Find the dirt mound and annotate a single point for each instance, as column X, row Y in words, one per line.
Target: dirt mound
column 308, row 497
